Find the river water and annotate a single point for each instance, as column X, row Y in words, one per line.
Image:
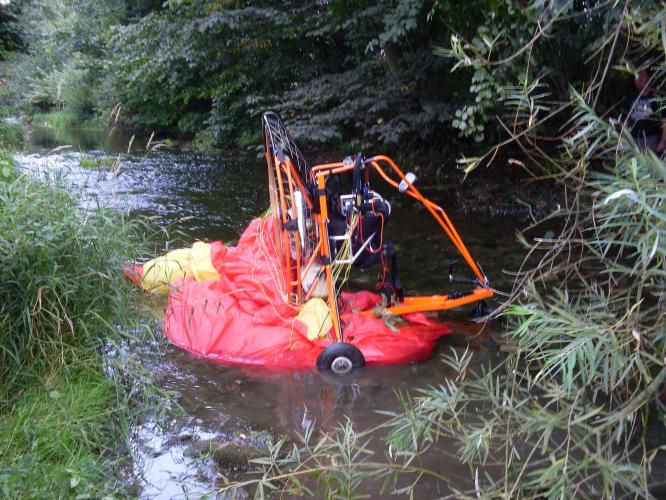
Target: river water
column 210, row 197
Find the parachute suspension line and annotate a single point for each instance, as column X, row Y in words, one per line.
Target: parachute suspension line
column 274, row 272
column 344, row 253
column 277, row 274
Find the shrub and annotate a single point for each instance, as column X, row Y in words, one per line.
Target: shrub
column 63, row 288
column 10, row 133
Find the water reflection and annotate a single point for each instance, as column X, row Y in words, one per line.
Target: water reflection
column 80, row 139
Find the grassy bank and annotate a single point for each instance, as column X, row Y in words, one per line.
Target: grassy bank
column 65, row 120
column 10, row 133
column 64, row 407
column 61, row 436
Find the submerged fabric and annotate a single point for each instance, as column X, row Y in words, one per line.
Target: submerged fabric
column 243, row 317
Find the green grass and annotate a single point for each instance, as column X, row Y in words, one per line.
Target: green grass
column 55, row 119
column 61, row 272
column 63, row 120
column 63, row 299
column 10, row 133
column 55, row 441
column 96, row 163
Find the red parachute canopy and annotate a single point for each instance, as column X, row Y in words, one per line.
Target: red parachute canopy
column 244, row 318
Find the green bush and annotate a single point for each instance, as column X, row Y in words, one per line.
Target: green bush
column 10, row 133
column 77, row 82
column 6, row 167
column 58, row 120
column 62, row 277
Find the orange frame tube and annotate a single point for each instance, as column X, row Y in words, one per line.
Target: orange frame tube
column 322, row 249
column 296, row 283
column 410, row 304
column 283, row 220
column 326, row 257
column 438, row 302
column 412, row 191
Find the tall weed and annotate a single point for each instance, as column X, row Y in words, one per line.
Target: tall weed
column 63, row 288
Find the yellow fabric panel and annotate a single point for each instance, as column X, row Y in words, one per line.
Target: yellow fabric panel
column 160, row 272
column 316, row 315
column 200, row 265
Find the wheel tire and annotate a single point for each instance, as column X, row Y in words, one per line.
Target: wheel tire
column 340, row 358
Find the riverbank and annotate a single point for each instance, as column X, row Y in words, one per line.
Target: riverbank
column 65, row 404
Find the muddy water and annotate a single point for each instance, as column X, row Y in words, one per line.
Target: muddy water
column 214, row 197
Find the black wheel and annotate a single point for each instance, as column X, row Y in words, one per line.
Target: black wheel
column 340, row 358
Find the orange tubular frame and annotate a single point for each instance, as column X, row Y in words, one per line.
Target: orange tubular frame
column 410, row 304
column 283, row 168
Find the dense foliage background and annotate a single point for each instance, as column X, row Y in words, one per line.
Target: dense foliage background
column 341, row 71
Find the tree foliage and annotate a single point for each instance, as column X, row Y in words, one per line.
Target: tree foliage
column 354, row 71
column 10, row 30
column 357, row 71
